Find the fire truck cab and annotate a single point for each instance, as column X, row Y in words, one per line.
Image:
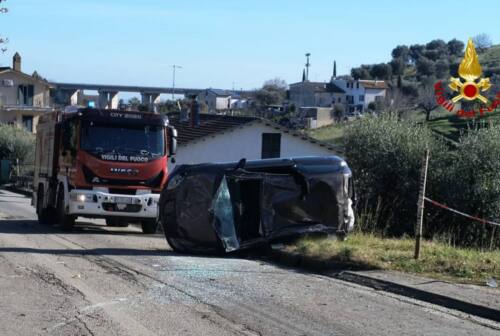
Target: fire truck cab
column 94, row 163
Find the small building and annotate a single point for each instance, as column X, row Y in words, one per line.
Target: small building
column 220, row 138
column 216, row 99
column 315, row 94
column 23, row 97
column 360, row 93
column 375, row 90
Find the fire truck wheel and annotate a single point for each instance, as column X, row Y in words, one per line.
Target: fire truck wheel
column 45, row 216
column 149, row 226
column 115, row 222
column 66, row 221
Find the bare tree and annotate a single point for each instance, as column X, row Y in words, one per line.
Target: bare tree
column 277, row 83
column 482, row 41
column 3, row 40
column 397, row 102
column 427, row 100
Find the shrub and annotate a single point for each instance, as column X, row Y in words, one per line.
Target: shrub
column 16, row 143
column 385, row 154
column 472, row 185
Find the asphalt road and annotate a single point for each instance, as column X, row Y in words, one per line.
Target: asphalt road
column 117, row 281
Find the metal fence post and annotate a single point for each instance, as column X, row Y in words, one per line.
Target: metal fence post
column 421, row 204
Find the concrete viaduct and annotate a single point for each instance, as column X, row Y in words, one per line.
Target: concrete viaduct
column 73, row 94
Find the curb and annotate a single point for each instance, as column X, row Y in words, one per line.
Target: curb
column 13, row 188
column 344, row 273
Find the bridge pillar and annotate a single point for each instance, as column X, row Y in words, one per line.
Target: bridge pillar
column 113, row 100
column 108, row 100
column 151, row 100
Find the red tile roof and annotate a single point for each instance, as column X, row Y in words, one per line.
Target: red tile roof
column 373, row 84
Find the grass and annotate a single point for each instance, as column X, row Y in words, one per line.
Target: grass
column 438, row 260
column 332, row 134
column 451, row 125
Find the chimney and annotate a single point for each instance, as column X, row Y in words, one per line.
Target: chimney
column 16, row 62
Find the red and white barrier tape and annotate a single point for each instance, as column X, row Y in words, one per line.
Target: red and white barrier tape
column 484, row 221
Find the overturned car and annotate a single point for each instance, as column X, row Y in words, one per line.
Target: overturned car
column 223, row 207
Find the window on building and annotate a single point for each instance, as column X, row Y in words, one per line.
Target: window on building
column 28, row 123
column 271, row 145
column 339, row 100
column 25, row 95
column 362, row 98
column 357, row 85
column 350, row 99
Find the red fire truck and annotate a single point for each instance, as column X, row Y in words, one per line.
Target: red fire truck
column 94, row 163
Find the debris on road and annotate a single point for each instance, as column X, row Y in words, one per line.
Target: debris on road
column 492, row 283
column 210, row 208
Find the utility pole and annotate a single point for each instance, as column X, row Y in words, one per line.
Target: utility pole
column 307, row 66
column 173, row 78
column 420, row 205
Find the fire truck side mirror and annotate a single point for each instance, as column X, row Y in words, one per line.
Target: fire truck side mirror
column 172, row 141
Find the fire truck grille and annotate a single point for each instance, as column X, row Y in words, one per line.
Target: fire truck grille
column 91, row 178
column 121, row 208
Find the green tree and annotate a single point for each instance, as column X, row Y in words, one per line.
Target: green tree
column 398, row 66
column 134, row 102
column 385, row 154
column 416, row 51
column 402, row 52
column 442, row 68
column 16, row 143
column 381, row 71
column 455, row 47
column 425, row 67
column 361, row 72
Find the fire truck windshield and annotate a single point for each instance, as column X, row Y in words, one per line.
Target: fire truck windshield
column 135, row 141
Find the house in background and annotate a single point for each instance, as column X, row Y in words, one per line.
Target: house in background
column 23, row 97
column 375, row 90
column 315, row 94
column 360, row 93
column 215, row 99
column 221, row 138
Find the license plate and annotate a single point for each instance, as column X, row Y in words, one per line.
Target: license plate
column 124, row 200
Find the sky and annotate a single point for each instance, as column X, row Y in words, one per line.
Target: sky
column 225, row 43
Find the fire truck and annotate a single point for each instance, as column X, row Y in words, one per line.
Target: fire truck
column 95, row 163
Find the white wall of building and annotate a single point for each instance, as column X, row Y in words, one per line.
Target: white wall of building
column 245, row 142
column 371, row 95
column 352, row 88
column 8, row 94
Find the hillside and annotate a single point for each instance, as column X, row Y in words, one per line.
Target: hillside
column 490, row 59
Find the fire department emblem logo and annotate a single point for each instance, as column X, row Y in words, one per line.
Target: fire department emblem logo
column 470, row 71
